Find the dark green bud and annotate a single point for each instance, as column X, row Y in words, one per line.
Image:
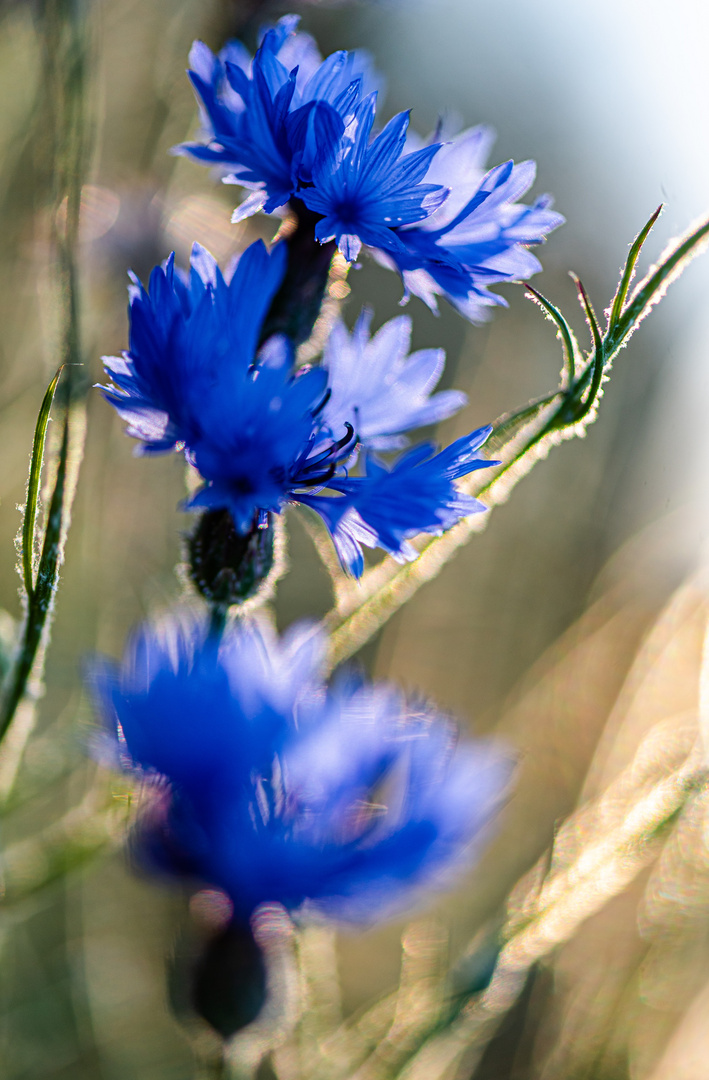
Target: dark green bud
column 225, row 566
column 229, row 980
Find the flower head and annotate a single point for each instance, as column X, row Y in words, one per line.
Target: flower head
column 194, row 380
column 393, row 504
column 262, row 433
column 480, row 235
column 294, row 127
column 367, row 191
column 273, row 787
column 264, row 119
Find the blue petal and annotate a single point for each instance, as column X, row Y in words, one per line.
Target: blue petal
column 264, row 779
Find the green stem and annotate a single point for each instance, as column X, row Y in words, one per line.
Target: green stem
column 40, row 601
column 63, row 31
column 508, row 421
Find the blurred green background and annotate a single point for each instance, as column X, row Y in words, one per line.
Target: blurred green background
column 611, row 99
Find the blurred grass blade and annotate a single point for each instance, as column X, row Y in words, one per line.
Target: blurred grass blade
column 30, row 517
column 83, row 833
column 629, row 268
column 568, row 341
column 64, row 32
column 545, row 918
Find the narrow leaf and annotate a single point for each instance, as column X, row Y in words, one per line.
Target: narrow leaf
column 28, row 525
column 629, row 268
column 51, row 547
column 598, row 361
column 40, row 600
column 508, row 426
column 571, row 349
column 653, row 287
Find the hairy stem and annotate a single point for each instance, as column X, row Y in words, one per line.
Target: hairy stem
column 64, row 37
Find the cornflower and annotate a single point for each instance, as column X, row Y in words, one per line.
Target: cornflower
column 480, row 235
column 342, row 801
column 263, row 118
column 301, row 131
column 262, row 433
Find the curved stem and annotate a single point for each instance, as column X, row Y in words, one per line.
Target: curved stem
column 217, row 622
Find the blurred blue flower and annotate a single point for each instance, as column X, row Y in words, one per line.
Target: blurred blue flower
column 275, row 788
column 260, row 432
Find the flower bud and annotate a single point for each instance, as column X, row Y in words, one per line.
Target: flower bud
column 225, row 566
column 229, row 980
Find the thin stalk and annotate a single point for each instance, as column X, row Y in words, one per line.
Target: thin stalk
column 296, row 306
column 63, row 32
column 217, row 622
column 211, row 1066
column 509, row 421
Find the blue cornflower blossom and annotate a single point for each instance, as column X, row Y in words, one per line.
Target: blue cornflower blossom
column 273, row 787
column 366, row 191
column 480, row 235
column 262, row 433
column 266, row 119
column 301, row 130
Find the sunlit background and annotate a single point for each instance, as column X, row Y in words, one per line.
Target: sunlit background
column 573, row 624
